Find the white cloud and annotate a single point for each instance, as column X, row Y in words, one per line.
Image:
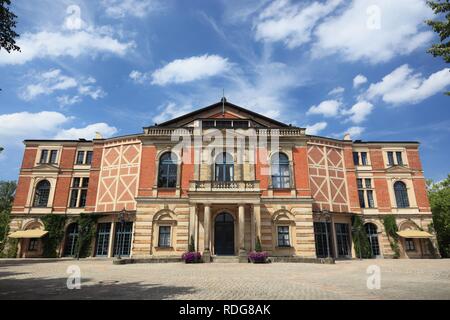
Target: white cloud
column 139, row 77
column 359, row 111
column 22, row 125
column 359, row 80
column 190, row 69
column 87, row 132
column 48, row 82
column 355, row 131
column 135, row 8
column 327, row 108
column 403, row 86
column 72, row 43
column 291, row 23
column 171, row 110
column 336, row 91
column 315, row 128
column 375, row 31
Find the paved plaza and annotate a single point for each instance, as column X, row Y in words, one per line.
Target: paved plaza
column 100, row 279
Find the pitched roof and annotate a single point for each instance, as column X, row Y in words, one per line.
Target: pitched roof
column 184, row 119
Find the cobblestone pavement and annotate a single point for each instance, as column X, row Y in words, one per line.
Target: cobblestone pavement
column 400, row 279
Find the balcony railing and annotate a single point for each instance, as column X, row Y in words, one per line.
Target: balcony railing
column 233, row 186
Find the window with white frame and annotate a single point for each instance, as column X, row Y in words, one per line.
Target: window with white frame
column 365, row 193
column 48, row 156
column 360, row 158
column 283, row 236
column 395, row 158
column 164, row 236
column 78, row 192
column 84, row 157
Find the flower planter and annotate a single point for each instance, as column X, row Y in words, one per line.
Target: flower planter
column 192, row 257
column 258, row 257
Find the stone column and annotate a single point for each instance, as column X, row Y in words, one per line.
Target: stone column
column 242, row 252
column 257, row 216
column 192, row 215
column 207, row 227
column 112, row 232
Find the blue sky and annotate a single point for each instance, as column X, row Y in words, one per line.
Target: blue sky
column 331, row 66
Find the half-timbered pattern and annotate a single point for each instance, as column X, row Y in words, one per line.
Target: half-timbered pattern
column 293, row 193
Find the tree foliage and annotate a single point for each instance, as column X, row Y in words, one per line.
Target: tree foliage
column 87, row 226
column 7, row 192
column 390, row 226
column 7, row 27
column 442, row 28
column 360, row 239
column 439, row 195
column 54, row 224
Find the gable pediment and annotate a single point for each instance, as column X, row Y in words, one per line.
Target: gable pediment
column 46, row 167
column 398, row 169
column 223, row 110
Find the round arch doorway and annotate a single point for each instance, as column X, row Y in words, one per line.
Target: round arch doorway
column 224, row 234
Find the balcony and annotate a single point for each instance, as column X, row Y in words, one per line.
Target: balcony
column 224, row 186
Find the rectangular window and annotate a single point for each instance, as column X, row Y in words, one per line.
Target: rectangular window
column 398, row 155
column 78, row 193
column 370, row 201
column 365, row 193
column 364, row 158
column 390, row 156
column 88, row 157
column 283, row 236
column 33, row 245
column 362, row 203
column 53, row 155
column 208, row 124
column 80, row 157
column 355, row 158
column 221, row 124
column 240, row 124
column 409, row 245
column 164, row 236
column 44, row 156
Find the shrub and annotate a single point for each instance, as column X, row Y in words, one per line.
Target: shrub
column 258, row 257
column 191, row 257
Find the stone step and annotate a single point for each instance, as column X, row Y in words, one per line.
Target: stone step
column 225, row 259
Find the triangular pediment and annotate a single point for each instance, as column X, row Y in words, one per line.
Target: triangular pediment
column 223, row 110
column 46, row 167
column 398, row 169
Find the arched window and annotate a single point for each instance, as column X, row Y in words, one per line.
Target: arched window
column 70, row 246
column 401, row 194
column 167, row 173
column 41, row 194
column 224, row 167
column 280, row 171
column 372, row 236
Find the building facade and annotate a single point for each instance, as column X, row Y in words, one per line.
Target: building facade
column 237, row 178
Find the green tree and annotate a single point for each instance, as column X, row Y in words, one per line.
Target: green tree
column 7, row 191
column 360, row 239
column 7, row 27
column 442, row 27
column 439, row 195
column 390, row 226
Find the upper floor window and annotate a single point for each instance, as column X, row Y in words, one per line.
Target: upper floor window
column 224, row 167
column 48, row 156
column 41, row 194
column 226, row 124
column 167, row 172
column 365, row 193
column 395, row 158
column 401, row 194
column 360, row 158
column 280, row 171
column 84, row 157
column 78, row 193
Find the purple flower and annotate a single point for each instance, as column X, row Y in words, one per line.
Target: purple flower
column 258, row 256
column 190, row 257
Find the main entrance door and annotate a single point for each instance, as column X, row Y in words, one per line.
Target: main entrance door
column 224, row 234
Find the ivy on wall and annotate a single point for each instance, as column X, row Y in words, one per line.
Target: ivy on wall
column 54, row 224
column 87, row 226
column 390, row 226
column 360, row 239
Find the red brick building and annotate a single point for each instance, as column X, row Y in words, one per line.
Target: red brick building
column 293, row 192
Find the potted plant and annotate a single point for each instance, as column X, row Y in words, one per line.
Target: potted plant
column 258, row 256
column 191, row 256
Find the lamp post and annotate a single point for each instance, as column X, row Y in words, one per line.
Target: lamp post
column 122, row 218
column 326, row 215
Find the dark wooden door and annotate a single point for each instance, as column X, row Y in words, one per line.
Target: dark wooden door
column 224, row 235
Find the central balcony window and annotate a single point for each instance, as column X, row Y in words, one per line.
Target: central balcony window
column 224, row 167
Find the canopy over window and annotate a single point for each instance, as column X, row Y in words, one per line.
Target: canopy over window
column 35, row 233
column 414, row 234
